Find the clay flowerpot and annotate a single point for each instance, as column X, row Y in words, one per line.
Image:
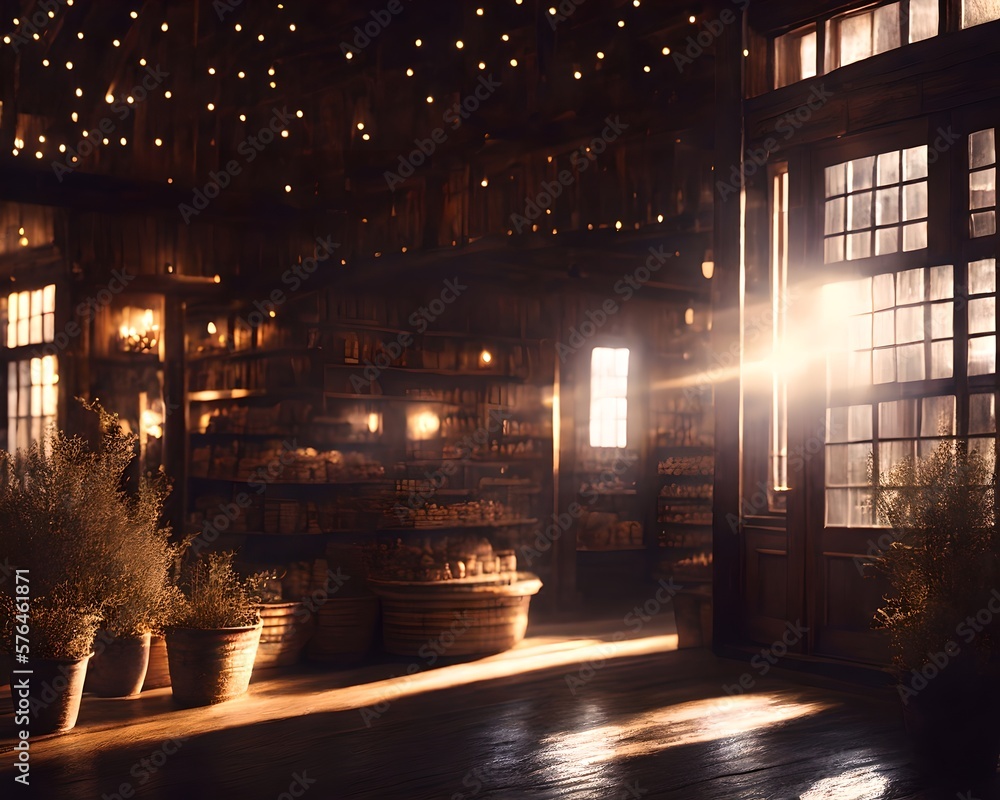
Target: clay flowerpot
column 211, row 666
column 118, row 667
column 158, row 673
column 52, row 697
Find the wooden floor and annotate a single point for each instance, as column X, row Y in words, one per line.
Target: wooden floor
column 595, row 717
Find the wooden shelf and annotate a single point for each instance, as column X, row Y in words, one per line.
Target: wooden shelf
column 460, row 526
column 316, row 484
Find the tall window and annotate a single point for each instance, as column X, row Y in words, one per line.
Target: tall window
column 779, row 332
column 609, row 397
column 31, row 376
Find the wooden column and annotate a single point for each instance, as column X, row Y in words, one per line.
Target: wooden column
column 175, row 425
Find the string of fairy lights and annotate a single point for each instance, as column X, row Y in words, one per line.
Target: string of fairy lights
column 271, row 37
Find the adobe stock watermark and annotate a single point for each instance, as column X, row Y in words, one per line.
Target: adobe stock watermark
column 35, row 24
column 562, row 12
column 767, row 658
column 293, row 277
column 634, row 620
column 712, row 30
column 299, row 785
column 95, row 137
column 453, row 117
column 756, row 158
column 249, row 148
column 580, row 159
column 430, row 652
column 625, row 288
column 146, row 767
column 364, row 36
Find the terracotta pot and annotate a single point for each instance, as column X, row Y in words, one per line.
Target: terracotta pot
column 211, row 666
column 954, row 725
column 118, row 667
column 55, row 687
column 286, row 629
column 158, row 673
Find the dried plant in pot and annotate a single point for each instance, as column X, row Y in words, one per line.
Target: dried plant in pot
column 943, row 569
column 213, row 642
column 65, row 521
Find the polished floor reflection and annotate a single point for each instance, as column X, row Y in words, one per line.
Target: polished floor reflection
column 603, row 715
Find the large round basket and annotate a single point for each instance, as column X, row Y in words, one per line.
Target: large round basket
column 455, row 619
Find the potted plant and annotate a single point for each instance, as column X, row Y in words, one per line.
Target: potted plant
column 122, row 649
column 63, row 518
column 213, row 643
column 943, row 569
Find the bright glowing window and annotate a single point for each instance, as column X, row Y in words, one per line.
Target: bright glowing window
column 924, row 19
column 982, row 183
column 876, row 205
column 31, row 399
column 858, row 35
column 982, row 308
column 31, row 317
column 779, row 316
column 976, row 12
column 795, row 56
column 609, row 397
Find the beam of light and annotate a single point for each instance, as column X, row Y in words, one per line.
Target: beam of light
column 861, row 783
column 695, row 722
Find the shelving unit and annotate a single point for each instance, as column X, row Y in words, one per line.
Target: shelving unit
column 421, row 460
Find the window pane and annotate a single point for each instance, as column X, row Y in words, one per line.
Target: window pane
column 884, row 365
column 859, row 332
column 884, row 328
column 807, row 55
column 836, row 465
column 983, row 276
column 982, row 315
column 859, row 211
column 923, row 19
column 887, row 207
column 892, row 453
column 942, row 282
column 49, row 299
column 942, row 359
column 983, row 355
column 887, row 241
column 982, row 413
column 910, row 286
column 915, row 201
column 859, row 369
column 942, row 321
column 938, row 416
column 859, row 173
column 886, row 34
column 910, row 362
column 855, row 38
column 976, row 12
column 982, row 148
column 836, row 180
column 860, row 506
column 915, row 163
column 888, row 168
column 897, row 419
column 982, row 188
column 859, row 245
column 836, row 507
column 983, row 223
column 910, row 324
column 835, row 215
column 915, row 236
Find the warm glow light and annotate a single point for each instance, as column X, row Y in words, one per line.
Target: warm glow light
column 485, row 357
column 459, row 44
column 288, row 188
column 484, row 182
column 422, row 425
column 689, row 316
column 430, row 99
column 110, row 98
column 164, row 27
column 691, row 19
column 409, row 72
column 158, row 142
column 374, row 422
column 708, row 269
column 211, row 70
column 621, row 23
column 418, row 42
column 212, row 329
column 365, row 136
column 578, row 74
column 665, row 51
column 600, row 54
column 513, row 62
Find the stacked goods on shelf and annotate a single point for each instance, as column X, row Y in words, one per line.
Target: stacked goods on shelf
column 452, row 557
column 684, row 510
column 600, row 530
column 608, row 493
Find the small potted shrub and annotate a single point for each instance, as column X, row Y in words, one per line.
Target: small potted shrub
column 213, row 643
column 66, row 522
column 943, row 569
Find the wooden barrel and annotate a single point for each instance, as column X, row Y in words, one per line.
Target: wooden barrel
column 286, row 629
column 158, row 672
column 211, row 666
column 346, row 629
column 455, row 619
